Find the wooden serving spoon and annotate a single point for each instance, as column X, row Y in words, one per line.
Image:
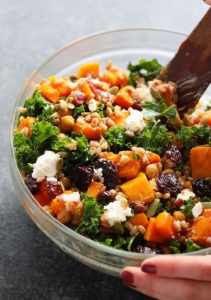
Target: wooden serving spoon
column 190, row 68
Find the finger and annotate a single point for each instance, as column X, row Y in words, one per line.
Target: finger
column 166, row 288
column 190, row 267
column 208, row 1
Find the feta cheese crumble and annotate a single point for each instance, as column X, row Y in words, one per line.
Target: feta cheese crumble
column 144, row 93
column 185, row 195
column 69, row 199
column 46, row 165
column 117, row 211
column 135, row 120
column 98, row 175
column 197, row 210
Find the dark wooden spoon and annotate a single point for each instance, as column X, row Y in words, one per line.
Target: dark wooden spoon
column 190, row 69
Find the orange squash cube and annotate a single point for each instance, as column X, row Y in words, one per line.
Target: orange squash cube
column 138, row 189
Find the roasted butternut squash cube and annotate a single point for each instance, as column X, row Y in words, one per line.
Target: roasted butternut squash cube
column 200, row 158
column 138, row 189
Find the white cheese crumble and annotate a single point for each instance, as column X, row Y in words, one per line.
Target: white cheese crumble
column 185, row 195
column 93, row 104
column 144, row 93
column 98, row 174
column 135, row 120
column 117, row 211
column 197, row 210
column 69, row 198
column 51, row 179
column 46, row 165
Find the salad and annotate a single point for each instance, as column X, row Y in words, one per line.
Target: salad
column 107, row 154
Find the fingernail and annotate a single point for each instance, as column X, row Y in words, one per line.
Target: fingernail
column 127, row 278
column 149, row 269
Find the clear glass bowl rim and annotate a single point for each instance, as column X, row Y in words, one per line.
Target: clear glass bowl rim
column 28, row 195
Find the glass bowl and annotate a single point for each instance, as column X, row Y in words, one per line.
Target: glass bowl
column 120, row 46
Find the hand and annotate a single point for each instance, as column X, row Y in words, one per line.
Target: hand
column 208, row 1
column 171, row 277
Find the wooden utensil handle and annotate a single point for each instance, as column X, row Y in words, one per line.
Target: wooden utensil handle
column 190, row 69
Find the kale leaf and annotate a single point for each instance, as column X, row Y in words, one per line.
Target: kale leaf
column 175, row 246
column 28, row 149
column 38, row 107
column 144, row 69
column 154, row 137
column 116, row 139
column 159, row 106
column 80, row 156
column 25, row 153
column 115, row 241
column 43, row 133
column 78, row 110
column 190, row 246
column 188, row 206
column 193, row 136
column 101, row 110
column 92, row 212
column 61, row 144
column 186, row 246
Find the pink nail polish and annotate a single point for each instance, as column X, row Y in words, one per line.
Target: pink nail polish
column 127, row 278
column 149, row 269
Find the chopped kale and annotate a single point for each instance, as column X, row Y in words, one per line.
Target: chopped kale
column 38, row 107
column 175, row 246
column 80, row 156
column 61, row 144
column 27, row 149
column 193, row 136
column 154, row 137
column 188, row 205
column 78, row 110
column 112, row 240
column 191, row 246
column 92, row 212
column 101, row 110
column 186, row 246
column 159, row 106
column 144, row 69
column 116, row 139
column 25, row 153
column 43, row 133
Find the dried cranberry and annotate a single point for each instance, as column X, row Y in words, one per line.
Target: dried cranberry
column 173, row 153
column 137, row 105
column 202, row 187
column 31, row 184
column 78, row 100
column 168, row 183
column 109, row 171
column 81, row 176
column 53, row 189
column 179, row 202
column 106, row 196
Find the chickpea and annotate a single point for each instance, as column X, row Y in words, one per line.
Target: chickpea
column 152, row 171
column 67, row 123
